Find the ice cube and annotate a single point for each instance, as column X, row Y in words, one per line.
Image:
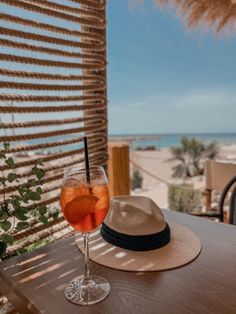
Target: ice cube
column 72, row 182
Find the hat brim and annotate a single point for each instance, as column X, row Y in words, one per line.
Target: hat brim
column 183, row 248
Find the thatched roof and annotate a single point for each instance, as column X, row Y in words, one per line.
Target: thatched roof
column 218, row 13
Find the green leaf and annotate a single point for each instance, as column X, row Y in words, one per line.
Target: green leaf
column 23, row 190
column 38, row 172
column 20, row 215
column 3, row 215
column 39, row 190
column 40, row 161
column 34, row 196
column 22, row 225
column 24, row 210
column 25, row 199
column 15, row 203
column 55, row 212
column 3, row 248
column 42, row 210
column 5, row 225
column 32, row 182
column 7, row 238
column 56, row 215
column 10, row 162
column 11, row 177
column 43, row 219
column 6, row 146
column 22, row 251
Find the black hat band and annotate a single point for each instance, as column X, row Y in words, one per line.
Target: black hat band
column 136, row 243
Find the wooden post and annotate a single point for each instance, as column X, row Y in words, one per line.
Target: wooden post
column 118, row 169
column 208, row 199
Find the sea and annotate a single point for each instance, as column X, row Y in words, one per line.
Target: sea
column 172, row 140
column 143, row 141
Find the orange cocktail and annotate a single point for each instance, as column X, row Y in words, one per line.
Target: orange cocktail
column 84, row 205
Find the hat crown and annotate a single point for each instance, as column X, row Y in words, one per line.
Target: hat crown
column 136, row 215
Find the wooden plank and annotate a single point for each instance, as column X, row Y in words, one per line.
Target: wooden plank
column 207, row 285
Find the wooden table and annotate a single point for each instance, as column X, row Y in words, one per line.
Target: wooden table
column 35, row 282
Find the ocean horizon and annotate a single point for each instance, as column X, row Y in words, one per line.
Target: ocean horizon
column 173, row 139
column 157, row 140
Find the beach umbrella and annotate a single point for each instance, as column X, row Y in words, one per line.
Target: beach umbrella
column 217, row 13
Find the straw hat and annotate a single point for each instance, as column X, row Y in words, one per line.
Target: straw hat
column 136, row 237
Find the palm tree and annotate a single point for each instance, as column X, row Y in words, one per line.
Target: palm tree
column 180, row 154
column 192, row 154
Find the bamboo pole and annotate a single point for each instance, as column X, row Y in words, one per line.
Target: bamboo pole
column 118, row 169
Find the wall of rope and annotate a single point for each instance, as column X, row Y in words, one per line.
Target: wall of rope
column 53, row 85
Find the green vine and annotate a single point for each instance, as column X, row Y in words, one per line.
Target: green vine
column 21, row 209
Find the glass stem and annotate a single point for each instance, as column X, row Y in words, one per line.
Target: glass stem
column 86, row 256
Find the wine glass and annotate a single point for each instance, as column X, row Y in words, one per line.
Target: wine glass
column 85, row 204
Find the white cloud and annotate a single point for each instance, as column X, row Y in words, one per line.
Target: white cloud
column 194, row 111
column 206, row 99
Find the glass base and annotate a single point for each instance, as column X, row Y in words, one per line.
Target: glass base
column 86, row 292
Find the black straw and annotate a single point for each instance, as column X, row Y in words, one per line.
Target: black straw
column 86, row 155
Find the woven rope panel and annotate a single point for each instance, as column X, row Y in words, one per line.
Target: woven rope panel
column 52, row 86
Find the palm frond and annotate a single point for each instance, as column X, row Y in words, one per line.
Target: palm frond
column 217, row 13
column 179, row 171
column 212, row 150
column 192, row 153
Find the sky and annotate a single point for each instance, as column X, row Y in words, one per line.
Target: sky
column 162, row 77
column 165, row 78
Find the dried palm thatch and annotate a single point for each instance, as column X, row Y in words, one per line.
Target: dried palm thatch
column 217, row 13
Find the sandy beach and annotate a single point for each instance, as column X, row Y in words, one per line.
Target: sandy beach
column 154, row 166
column 156, row 171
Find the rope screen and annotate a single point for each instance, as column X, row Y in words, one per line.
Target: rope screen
column 53, row 85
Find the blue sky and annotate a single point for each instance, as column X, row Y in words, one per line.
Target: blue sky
column 164, row 78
